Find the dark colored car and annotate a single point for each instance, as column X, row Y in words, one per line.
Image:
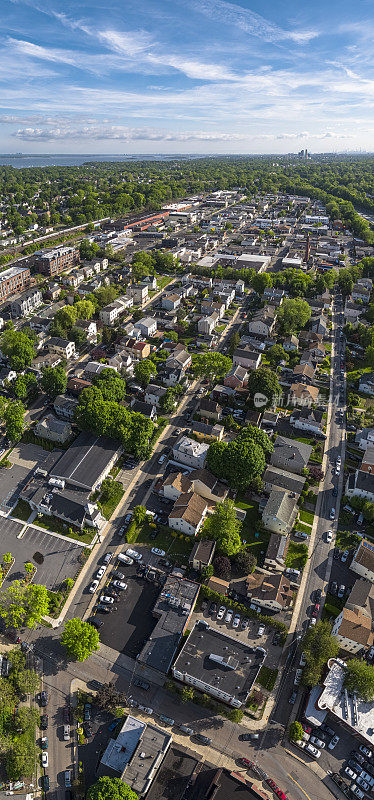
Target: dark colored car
column 45, row 783
column 335, row 491
column 97, row 623
column 202, row 739
column 43, row 698
column 66, row 715
column 95, row 684
column 87, row 730
column 245, row 737
column 87, row 712
column 104, row 609
column 44, row 722
column 142, row 684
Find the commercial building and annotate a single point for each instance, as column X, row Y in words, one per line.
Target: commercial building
column 57, row 260
column 219, row 665
column 13, row 280
column 87, row 461
column 136, row 755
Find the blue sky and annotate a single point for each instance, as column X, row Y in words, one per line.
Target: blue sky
column 189, row 76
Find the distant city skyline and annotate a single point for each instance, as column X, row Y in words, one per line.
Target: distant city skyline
column 192, row 76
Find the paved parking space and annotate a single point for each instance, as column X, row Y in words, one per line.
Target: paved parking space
column 55, row 559
column 28, row 455
column 128, row 628
column 24, row 458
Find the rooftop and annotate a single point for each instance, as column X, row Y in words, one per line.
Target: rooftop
column 85, row 460
column 136, row 754
column 351, row 710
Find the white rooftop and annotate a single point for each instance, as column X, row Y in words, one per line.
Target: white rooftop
column 349, row 709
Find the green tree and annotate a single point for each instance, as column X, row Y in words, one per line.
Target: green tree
column 296, row 731
column 167, row 402
column 234, row 343
column 111, row 789
column 79, row 639
column 187, row 694
column 240, row 462
column 88, row 250
column 210, row 365
column 257, row 435
column 29, row 569
column 224, row 527
column 23, row 605
column 275, row 355
column 54, row 381
column 243, row 563
column 66, row 317
column 293, row 315
column 359, row 679
column 144, row 371
column 85, row 309
column 261, row 281
column 264, row 382
column 140, row 515
column 19, row 348
column 111, row 385
column 14, row 420
column 318, row 646
column 24, row 385
column 7, row 559
column 26, row 681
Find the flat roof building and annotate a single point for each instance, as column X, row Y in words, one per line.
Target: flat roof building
column 223, row 667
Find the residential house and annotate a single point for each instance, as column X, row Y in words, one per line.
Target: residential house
column 274, row 478
column 138, row 293
column 360, row 293
column 65, row 407
column 365, row 438
column 175, row 484
column 26, row 303
column 307, row 419
column 55, row 430
column 290, row 455
column 239, row 288
column 94, row 368
column 304, row 373
column 353, row 627
column 209, row 409
column 121, row 361
column 48, row 360
column 363, row 560
column 110, row 313
column 53, row 291
column 208, row 324
column 147, row 409
column 360, row 484
column 352, row 312
column 366, row 383
column 201, row 555
column 280, row 511
column 208, row 486
column 208, row 307
column 319, row 325
column 273, row 295
column 219, row 586
column 247, row 358
column 271, row 592
column 367, row 463
column 188, row 451
column 76, row 385
column 171, row 302
column 147, row 326
column 207, row 433
column 63, row 347
column 188, row 513
column 276, row 552
column 138, row 350
column 153, row 394
column 309, row 338
column 90, row 329
column 262, row 324
column 291, row 344
column 237, row 378
column 7, row 375
column 302, row 394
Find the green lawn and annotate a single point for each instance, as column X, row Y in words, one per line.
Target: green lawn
column 297, row 555
column 109, row 505
column 347, row 540
column 252, row 525
column 22, row 510
column 301, row 527
column 306, row 516
column 267, row 677
column 177, row 547
column 332, row 607
column 57, row 526
column 163, row 280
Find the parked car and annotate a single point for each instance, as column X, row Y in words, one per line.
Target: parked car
column 255, row 607
column 329, row 536
column 102, row 609
column 261, row 630
column 221, row 612
column 313, row 751
column 45, row 759
column 158, row 552
column 341, row 591
column 357, row 791
column 66, row 733
column 364, row 784
column 43, row 698
column 87, row 712
column 212, row 609
column 100, row 573
column 44, row 722
column 119, row 585
column 348, row 771
column 365, row 750
column 345, row 556
column 106, row 599
column 97, row 623
column 317, row 742
column 134, row 555
column 228, row 616
column 332, row 513
column 245, row 762
column 236, row 621
column 334, row 587
column 142, row 684
column 44, row 743
column 297, row 678
column 166, row 720
column 67, row 779
column 202, row 739
column 108, row 557
column 45, row 783
column 94, row 586
column 186, row 729
column 334, row 741
column 124, row 559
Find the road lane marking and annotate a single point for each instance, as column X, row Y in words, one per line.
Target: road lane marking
column 297, row 784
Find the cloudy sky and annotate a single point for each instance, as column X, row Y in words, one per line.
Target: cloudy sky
column 192, row 76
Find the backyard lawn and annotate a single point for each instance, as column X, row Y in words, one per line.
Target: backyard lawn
column 252, row 525
column 297, row 555
column 306, row 516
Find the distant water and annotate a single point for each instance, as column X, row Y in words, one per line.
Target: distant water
column 19, row 161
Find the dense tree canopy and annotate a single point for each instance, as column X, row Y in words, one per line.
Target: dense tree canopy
column 79, row 639
column 19, row 348
column 241, row 461
column 293, row 315
column 263, row 382
column 111, row 789
column 210, row 365
column 318, row 646
column 224, row 527
column 359, row 679
column 54, row 381
column 23, row 605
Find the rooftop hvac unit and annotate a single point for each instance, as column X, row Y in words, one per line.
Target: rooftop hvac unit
column 58, row 482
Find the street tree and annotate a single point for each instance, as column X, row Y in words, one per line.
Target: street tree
column 26, row 681
column 79, row 639
column 23, row 605
column 210, row 365
column 54, row 381
column 264, row 382
column 140, row 515
column 296, row 731
column 318, row 645
column 167, row 401
column 85, row 309
column 111, row 789
column 14, row 420
column 224, row 527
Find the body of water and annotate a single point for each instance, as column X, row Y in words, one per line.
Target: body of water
column 20, row 161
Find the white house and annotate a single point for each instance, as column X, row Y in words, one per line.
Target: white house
column 305, row 419
column 361, row 484
column 366, row 383
column 188, row 451
column 208, row 324
column 171, row 302
column 62, row 347
column 363, row 560
column 188, row 513
column 153, row 394
column 365, row 438
column 111, row 312
column 147, row 326
column 247, row 358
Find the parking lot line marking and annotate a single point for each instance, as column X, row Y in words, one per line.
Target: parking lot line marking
column 297, row 784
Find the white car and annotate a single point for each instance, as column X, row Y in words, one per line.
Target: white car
column 313, row 751
column 236, row 621
column 66, row 733
column 94, row 586
column 329, row 536
column 228, row 616
column 146, row 709
column 100, row 573
column 261, row 630
column 45, row 759
column 119, row 584
column 134, row 555
column 221, row 612
column 318, row 742
column 106, row 599
column 353, row 775
column 157, row 552
column 332, row 513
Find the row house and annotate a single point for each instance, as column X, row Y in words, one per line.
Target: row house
column 26, row 303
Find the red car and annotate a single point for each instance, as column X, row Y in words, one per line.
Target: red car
column 245, row 762
column 316, row 610
column 272, row 784
column 280, row 794
column 306, row 728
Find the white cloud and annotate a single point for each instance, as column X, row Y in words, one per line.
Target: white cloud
column 99, row 132
column 248, row 21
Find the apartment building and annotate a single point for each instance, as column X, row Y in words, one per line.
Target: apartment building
column 13, row 280
column 57, row 260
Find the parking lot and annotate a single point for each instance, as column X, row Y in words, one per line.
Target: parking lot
column 131, row 625
column 54, row 558
column 24, row 459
